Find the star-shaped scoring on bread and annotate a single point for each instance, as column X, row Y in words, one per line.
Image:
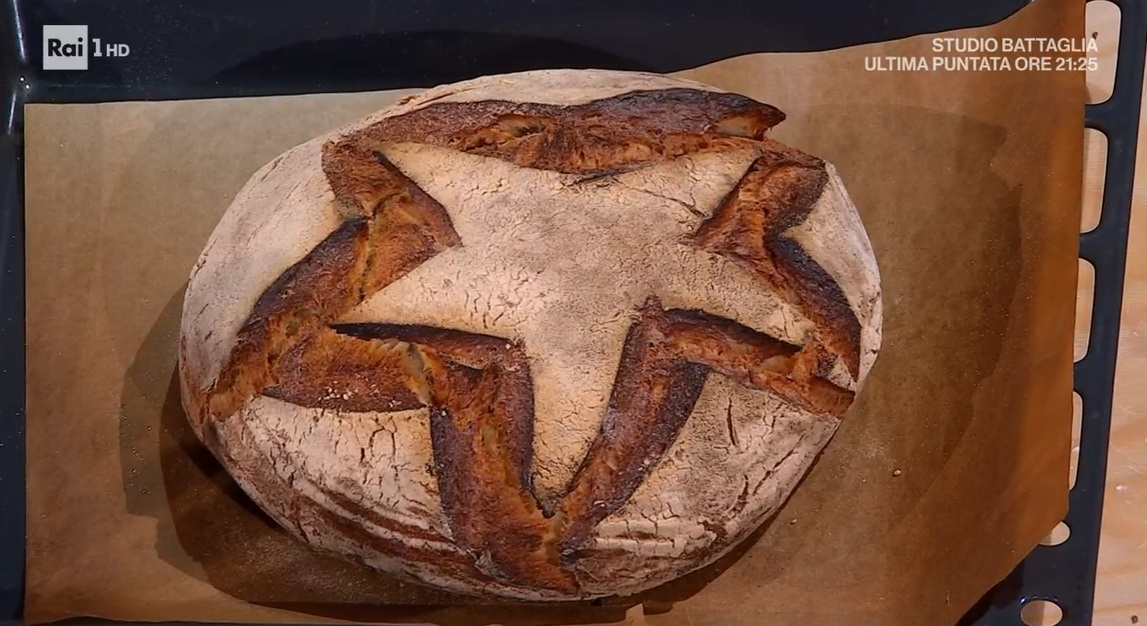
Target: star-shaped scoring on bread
column 314, row 338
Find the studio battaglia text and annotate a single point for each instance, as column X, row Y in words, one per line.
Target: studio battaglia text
column 1022, row 45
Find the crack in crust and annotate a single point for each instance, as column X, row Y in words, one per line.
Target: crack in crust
column 478, row 388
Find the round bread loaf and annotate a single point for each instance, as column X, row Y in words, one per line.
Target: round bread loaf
column 549, row 335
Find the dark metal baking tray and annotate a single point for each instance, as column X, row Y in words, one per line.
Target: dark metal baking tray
column 224, row 48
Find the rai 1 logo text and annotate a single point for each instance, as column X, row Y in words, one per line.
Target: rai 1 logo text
column 68, row 47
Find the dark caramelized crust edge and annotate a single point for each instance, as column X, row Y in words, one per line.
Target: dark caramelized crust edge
column 600, row 137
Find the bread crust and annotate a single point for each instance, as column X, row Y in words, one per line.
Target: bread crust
column 550, row 335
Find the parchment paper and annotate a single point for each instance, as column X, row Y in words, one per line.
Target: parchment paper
column 950, row 468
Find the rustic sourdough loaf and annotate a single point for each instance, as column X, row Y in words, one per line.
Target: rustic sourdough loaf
column 549, row 335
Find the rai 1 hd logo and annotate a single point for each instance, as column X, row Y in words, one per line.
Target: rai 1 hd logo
column 68, row 47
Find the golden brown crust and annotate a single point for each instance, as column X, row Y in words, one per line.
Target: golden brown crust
column 328, row 370
column 776, row 193
column 603, row 136
column 398, row 231
column 306, row 296
column 478, row 388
